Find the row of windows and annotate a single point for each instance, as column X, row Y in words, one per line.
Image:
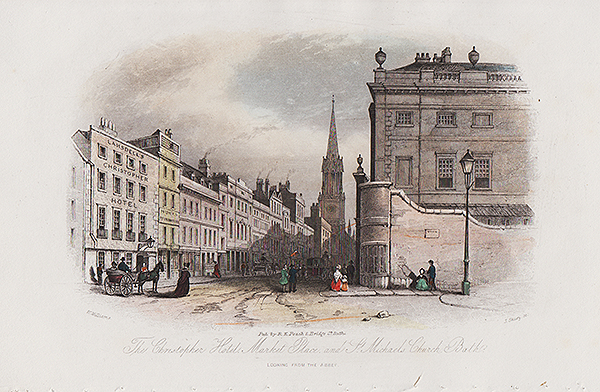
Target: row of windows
column 242, row 230
column 192, row 208
column 210, row 214
column 446, row 119
column 189, row 207
column 118, row 159
column 117, row 187
column 260, row 214
column 166, row 199
column 191, row 235
column 117, row 228
column 446, row 169
column 168, row 240
column 261, row 225
column 275, row 208
column 165, row 172
column 242, row 206
column 115, row 257
column 210, row 238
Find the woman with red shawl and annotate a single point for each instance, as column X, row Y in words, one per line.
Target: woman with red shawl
column 336, row 283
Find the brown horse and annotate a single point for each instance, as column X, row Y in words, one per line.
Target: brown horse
column 153, row 275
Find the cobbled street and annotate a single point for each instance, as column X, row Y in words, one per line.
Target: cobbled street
column 259, row 300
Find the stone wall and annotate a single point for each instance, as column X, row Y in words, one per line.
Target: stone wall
column 418, row 234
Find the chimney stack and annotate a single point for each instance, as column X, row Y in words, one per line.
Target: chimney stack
column 204, row 166
column 446, row 55
column 422, row 58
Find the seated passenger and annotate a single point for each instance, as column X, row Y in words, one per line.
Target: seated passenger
column 123, row 266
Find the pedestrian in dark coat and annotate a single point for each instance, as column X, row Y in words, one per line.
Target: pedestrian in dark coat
column 293, row 278
column 93, row 275
column 351, row 273
column 183, row 285
column 431, row 275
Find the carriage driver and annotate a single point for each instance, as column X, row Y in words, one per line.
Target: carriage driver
column 123, row 266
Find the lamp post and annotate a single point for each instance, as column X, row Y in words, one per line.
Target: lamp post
column 149, row 243
column 466, row 163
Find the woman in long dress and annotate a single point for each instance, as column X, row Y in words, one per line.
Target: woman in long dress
column 336, row 283
column 422, row 281
column 284, row 279
column 183, row 283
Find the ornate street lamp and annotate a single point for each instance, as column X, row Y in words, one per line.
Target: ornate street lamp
column 149, row 243
column 466, row 164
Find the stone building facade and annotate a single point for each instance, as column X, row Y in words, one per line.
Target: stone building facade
column 279, row 232
column 235, row 211
column 161, row 145
column 424, row 117
column 123, row 194
column 201, row 223
column 119, row 197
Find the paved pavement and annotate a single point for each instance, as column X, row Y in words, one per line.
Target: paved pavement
column 494, row 296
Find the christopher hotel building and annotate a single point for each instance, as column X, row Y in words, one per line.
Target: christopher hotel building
column 120, row 199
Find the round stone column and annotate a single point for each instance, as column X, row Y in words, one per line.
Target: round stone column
column 375, row 234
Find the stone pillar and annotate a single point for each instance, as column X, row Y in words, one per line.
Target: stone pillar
column 360, row 177
column 375, row 234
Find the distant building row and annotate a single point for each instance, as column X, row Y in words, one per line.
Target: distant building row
column 123, row 195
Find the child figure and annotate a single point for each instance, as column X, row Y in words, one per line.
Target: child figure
column 344, row 283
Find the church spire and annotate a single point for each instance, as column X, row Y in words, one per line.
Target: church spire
column 332, row 144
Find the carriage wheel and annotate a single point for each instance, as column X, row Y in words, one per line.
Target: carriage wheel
column 109, row 288
column 126, row 285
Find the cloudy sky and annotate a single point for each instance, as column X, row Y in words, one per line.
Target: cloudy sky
column 257, row 104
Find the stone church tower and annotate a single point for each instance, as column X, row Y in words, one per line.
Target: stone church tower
column 332, row 200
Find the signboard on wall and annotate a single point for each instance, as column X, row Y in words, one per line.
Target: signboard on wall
column 432, row 233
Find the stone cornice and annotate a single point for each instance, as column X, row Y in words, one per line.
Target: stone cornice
column 445, row 90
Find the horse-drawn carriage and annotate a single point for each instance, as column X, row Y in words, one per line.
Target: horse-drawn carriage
column 123, row 282
column 262, row 266
column 119, row 282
